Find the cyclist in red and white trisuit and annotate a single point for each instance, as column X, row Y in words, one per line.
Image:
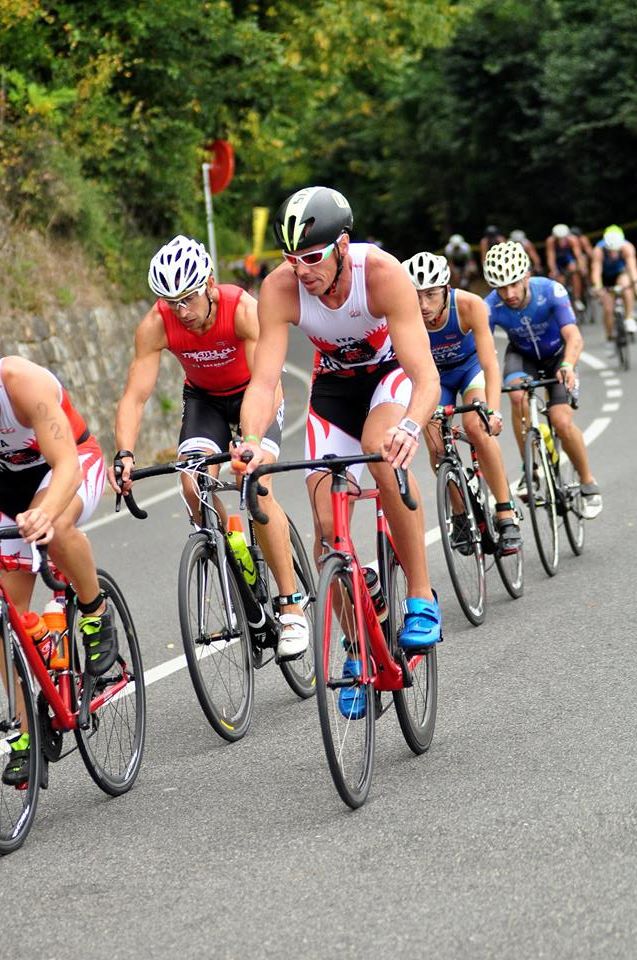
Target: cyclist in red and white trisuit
column 375, row 384
column 212, row 330
column 51, row 479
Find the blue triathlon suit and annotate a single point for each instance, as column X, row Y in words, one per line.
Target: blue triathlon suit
column 563, row 256
column 534, row 332
column 454, row 354
column 611, row 267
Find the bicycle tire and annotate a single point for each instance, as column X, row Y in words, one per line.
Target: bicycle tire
column 622, row 345
column 300, row 674
column 541, row 502
column 465, row 558
column 574, row 522
column 218, row 654
column 510, row 566
column 416, row 706
column 113, row 746
column 18, row 807
column 349, row 742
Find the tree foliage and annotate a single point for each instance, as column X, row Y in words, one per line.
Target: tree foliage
column 432, row 116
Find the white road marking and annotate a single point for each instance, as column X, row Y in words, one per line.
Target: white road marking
column 613, row 382
column 610, row 408
column 616, row 392
column 592, row 361
column 595, row 429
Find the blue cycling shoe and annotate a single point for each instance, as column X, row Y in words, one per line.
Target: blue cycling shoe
column 423, row 624
column 352, row 700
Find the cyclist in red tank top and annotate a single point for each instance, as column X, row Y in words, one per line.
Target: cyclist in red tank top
column 212, row 329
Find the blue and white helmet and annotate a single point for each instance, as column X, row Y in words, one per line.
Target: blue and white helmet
column 179, row 268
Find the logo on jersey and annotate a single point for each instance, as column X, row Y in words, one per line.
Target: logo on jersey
column 216, row 358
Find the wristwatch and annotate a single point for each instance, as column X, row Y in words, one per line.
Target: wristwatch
column 410, row 427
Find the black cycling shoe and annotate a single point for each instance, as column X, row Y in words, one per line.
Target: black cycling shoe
column 16, row 772
column 461, row 534
column 510, row 540
column 100, row 642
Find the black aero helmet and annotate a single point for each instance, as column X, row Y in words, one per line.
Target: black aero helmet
column 310, row 216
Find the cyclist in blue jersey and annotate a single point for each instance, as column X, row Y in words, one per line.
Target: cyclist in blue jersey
column 614, row 265
column 564, row 258
column 538, row 319
column 464, row 352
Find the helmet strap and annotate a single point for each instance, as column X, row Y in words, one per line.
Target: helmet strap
column 443, row 307
column 339, row 267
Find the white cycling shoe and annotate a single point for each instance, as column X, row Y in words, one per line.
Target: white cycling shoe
column 295, row 636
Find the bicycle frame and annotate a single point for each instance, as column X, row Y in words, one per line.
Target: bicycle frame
column 450, row 436
column 382, row 668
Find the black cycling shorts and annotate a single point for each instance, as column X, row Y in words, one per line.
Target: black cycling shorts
column 210, row 422
column 517, row 364
column 345, row 401
column 18, row 488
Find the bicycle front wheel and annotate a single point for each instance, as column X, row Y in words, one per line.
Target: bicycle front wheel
column 574, row 523
column 17, row 805
column 113, row 745
column 300, row 673
column 346, row 708
column 216, row 639
column 541, row 501
column 464, row 556
column 415, row 705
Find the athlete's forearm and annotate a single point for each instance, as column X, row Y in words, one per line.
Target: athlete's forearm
column 128, row 419
column 258, row 409
column 66, row 477
column 425, row 396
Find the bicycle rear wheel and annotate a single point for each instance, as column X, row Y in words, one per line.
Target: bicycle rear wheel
column 346, row 711
column 541, row 501
column 622, row 344
column 574, row 523
column 415, row 705
column 300, row 673
column 18, row 806
column 465, row 558
column 218, row 648
column 113, row 746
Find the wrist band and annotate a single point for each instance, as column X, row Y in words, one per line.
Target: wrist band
column 124, row 453
column 252, row 438
column 566, row 365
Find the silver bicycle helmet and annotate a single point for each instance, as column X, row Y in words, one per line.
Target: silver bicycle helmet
column 179, row 268
column 427, row 270
column 506, row 263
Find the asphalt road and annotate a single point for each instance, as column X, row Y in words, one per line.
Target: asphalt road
column 515, row 836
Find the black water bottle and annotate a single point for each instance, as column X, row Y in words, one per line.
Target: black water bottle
column 373, row 585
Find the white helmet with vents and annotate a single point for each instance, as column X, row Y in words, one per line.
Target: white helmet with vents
column 179, row 268
column 505, row 263
column 427, row 270
column 560, row 231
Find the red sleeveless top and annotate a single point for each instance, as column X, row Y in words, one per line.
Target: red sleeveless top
column 216, row 360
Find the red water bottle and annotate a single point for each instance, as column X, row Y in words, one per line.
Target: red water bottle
column 36, row 627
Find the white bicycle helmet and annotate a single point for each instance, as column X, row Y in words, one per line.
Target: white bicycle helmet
column 505, row 263
column 456, row 240
column 614, row 237
column 518, row 236
column 427, row 270
column 179, row 268
column 560, row 231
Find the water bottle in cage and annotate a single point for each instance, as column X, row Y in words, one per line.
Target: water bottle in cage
column 373, row 585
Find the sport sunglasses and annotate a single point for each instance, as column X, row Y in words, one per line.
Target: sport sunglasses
column 312, row 258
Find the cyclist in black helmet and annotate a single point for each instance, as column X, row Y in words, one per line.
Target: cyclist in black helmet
column 375, row 383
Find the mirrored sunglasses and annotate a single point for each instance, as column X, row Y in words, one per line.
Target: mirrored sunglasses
column 309, row 259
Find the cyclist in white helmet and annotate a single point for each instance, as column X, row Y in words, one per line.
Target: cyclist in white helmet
column 461, row 261
column 564, row 259
column 537, row 316
column 464, row 352
column 212, row 330
column 614, row 265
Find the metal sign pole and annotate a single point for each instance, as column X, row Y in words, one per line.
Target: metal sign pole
column 207, row 192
